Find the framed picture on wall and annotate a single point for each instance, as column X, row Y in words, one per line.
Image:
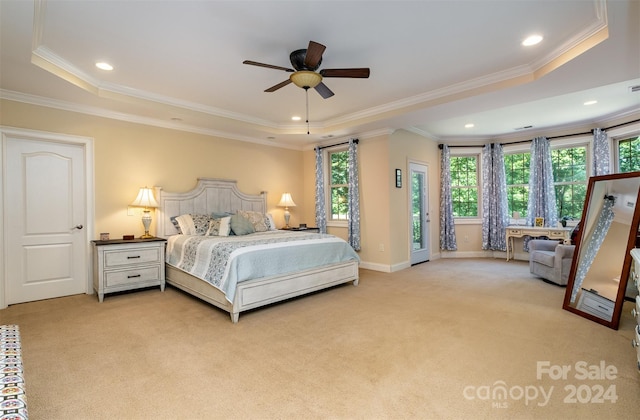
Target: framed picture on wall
column 398, row 178
column 539, row 222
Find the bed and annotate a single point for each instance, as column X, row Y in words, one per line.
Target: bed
column 274, row 251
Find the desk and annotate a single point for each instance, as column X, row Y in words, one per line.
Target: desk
column 563, row 233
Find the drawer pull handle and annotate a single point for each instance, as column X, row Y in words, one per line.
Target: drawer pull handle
column 133, row 276
column 133, row 257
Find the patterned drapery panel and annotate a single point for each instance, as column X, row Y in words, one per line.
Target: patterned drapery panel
column 447, row 225
column 494, row 198
column 354, row 197
column 542, row 194
column 593, row 243
column 321, row 215
column 600, row 153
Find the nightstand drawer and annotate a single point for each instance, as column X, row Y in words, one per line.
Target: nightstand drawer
column 141, row 275
column 131, row 256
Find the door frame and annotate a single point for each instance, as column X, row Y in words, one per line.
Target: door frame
column 409, row 208
column 44, row 136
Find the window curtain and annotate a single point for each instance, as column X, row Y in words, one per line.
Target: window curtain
column 321, row 215
column 447, row 226
column 494, row 198
column 542, row 193
column 600, row 152
column 354, row 197
column 605, row 218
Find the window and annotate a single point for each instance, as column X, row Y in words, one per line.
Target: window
column 464, row 185
column 570, row 180
column 569, row 175
column 516, row 167
column 338, row 176
column 629, row 155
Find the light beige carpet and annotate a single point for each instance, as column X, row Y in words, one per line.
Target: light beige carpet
column 436, row 341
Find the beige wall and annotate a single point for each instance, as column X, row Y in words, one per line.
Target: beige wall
column 129, row 156
column 405, row 147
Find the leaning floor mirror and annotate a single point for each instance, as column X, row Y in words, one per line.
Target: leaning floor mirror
column 602, row 260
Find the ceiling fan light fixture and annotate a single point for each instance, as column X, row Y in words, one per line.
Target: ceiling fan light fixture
column 305, row 79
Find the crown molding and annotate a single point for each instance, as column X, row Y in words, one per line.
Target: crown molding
column 136, row 119
column 589, row 37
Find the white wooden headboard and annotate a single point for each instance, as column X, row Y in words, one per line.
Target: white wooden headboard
column 209, row 195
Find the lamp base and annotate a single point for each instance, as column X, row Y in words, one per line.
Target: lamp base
column 287, row 215
column 146, row 222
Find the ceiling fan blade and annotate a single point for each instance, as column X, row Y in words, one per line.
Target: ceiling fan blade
column 324, row 91
column 269, row 66
column 278, row 86
column 362, row 73
column 314, row 54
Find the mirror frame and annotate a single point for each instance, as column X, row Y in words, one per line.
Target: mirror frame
column 631, row 241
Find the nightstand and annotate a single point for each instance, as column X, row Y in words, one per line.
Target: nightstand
column 127, row 264
column 299, row 229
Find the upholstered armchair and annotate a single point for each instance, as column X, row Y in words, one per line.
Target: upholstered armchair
column 550, row 260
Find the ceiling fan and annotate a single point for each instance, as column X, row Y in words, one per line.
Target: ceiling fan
column 305, row 62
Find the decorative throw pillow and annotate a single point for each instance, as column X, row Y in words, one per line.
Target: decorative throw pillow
column 193, row 224
column 220, row 215
column 176, row 224
column 219, row 227
column 240, row 225
column 257, row 219
column 271, row 225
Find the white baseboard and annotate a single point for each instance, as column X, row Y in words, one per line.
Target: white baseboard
column 442, row 254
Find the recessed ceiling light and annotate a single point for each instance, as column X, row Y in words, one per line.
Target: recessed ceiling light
column 590, row 102
column 532, row 40
column 470, row 125
column 296, row 118
column 104, row 66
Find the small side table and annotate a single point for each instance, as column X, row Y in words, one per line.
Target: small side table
column 127, row 264
column 299, row 229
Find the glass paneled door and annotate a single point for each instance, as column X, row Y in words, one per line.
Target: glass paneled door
column 418, row 213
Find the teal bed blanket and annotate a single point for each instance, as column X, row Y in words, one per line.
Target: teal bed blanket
column 225, row 261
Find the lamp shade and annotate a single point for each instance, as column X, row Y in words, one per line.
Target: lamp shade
column 286, row 201
column 306, row 79
column 145, row 198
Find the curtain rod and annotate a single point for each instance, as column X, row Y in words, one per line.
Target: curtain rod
column 356, row 141
column 550, row 138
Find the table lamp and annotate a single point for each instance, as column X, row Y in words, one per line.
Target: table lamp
column 286, row 201
column 145, row 199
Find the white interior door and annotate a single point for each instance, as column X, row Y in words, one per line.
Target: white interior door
column 418, row 213
column 45, row 219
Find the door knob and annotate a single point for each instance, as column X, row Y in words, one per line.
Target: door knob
column 77, row 227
